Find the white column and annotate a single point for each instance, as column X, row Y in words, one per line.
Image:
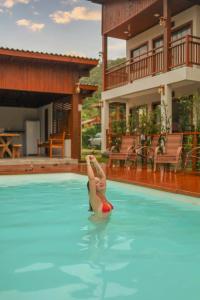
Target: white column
column 104, row 123
column 149, row 108
column 166, row 108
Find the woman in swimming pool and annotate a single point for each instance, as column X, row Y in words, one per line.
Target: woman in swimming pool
column 97, row 187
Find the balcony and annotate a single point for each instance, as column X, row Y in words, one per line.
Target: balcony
column 182, row 52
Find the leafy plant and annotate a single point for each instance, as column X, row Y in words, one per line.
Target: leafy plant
column 146, row 123
column 185, row 107
column 196, row 107
column 95, row 78
column 119, row 127
column 87, row 133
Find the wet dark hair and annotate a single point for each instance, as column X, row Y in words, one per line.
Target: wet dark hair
column 90, row 206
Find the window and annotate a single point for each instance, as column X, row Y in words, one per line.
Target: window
column 182, row 32
column 177, row 34
column 158, row 55
column 137, row 118
column 158, row 43
column 139, row 64
column 138, row 52
column 182, row 115
column 156, row 110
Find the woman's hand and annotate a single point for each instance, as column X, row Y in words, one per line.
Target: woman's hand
column 87, row 158
column 92, row 158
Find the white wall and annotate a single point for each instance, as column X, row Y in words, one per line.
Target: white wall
column 13, row 119
column 191, row 14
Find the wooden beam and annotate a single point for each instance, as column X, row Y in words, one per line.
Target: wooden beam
column 76, row 127
column 167, row 33
column 104, row 60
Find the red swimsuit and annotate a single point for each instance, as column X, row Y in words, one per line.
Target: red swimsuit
column 106, row 207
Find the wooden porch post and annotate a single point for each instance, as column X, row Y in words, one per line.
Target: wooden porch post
column 76, row 127
column 104, row 60
column 167, row 34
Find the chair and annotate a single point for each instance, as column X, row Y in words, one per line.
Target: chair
column 16, row 150
column 133, row 154
column 147, row 152
column 127, row 145
column 1, row 150
column 56, row 141
column 192, row 154
column 172, row 151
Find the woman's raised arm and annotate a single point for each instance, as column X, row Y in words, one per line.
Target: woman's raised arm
column 98, row 168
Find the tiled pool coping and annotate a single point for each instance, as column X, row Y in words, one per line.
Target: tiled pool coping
column 181, row 183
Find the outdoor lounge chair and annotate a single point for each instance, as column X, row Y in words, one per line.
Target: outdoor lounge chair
column 192, row 154
column 126, row 148
column 172, row 151
column 122, row 153
column 147, row 152
column 1, row 150
column 56, row 141
column 133, row 155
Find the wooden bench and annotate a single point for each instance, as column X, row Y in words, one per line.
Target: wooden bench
column 16, row 153
column 56, row 141
column 1, row 150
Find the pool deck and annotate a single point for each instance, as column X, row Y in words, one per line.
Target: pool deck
column 186, row 183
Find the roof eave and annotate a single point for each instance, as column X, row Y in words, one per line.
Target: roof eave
column 49, row 57
column 97, row 1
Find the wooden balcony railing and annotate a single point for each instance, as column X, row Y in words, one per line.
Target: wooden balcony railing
column 182, row 52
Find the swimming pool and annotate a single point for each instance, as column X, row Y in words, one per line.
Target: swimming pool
column 149, row 249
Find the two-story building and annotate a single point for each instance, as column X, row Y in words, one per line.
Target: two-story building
column 162, row 57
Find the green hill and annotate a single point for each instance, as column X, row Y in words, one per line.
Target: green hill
column 89, row 111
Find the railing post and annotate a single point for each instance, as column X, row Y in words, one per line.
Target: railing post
column 153, row 63
column 187, row 47
column 129, row 72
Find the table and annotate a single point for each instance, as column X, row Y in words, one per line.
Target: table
column 5, row 142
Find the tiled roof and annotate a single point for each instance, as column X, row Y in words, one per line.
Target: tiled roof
column 87, row 86
column 98, row 1
column 46, row 55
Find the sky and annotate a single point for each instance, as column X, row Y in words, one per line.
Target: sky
column 70, row 27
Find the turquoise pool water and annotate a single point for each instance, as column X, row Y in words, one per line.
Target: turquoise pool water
column 49, row 250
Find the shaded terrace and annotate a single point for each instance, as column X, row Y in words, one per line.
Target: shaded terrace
column 43, row 88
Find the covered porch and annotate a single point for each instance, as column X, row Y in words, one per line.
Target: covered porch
column 41, row 96
column 168, row 108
